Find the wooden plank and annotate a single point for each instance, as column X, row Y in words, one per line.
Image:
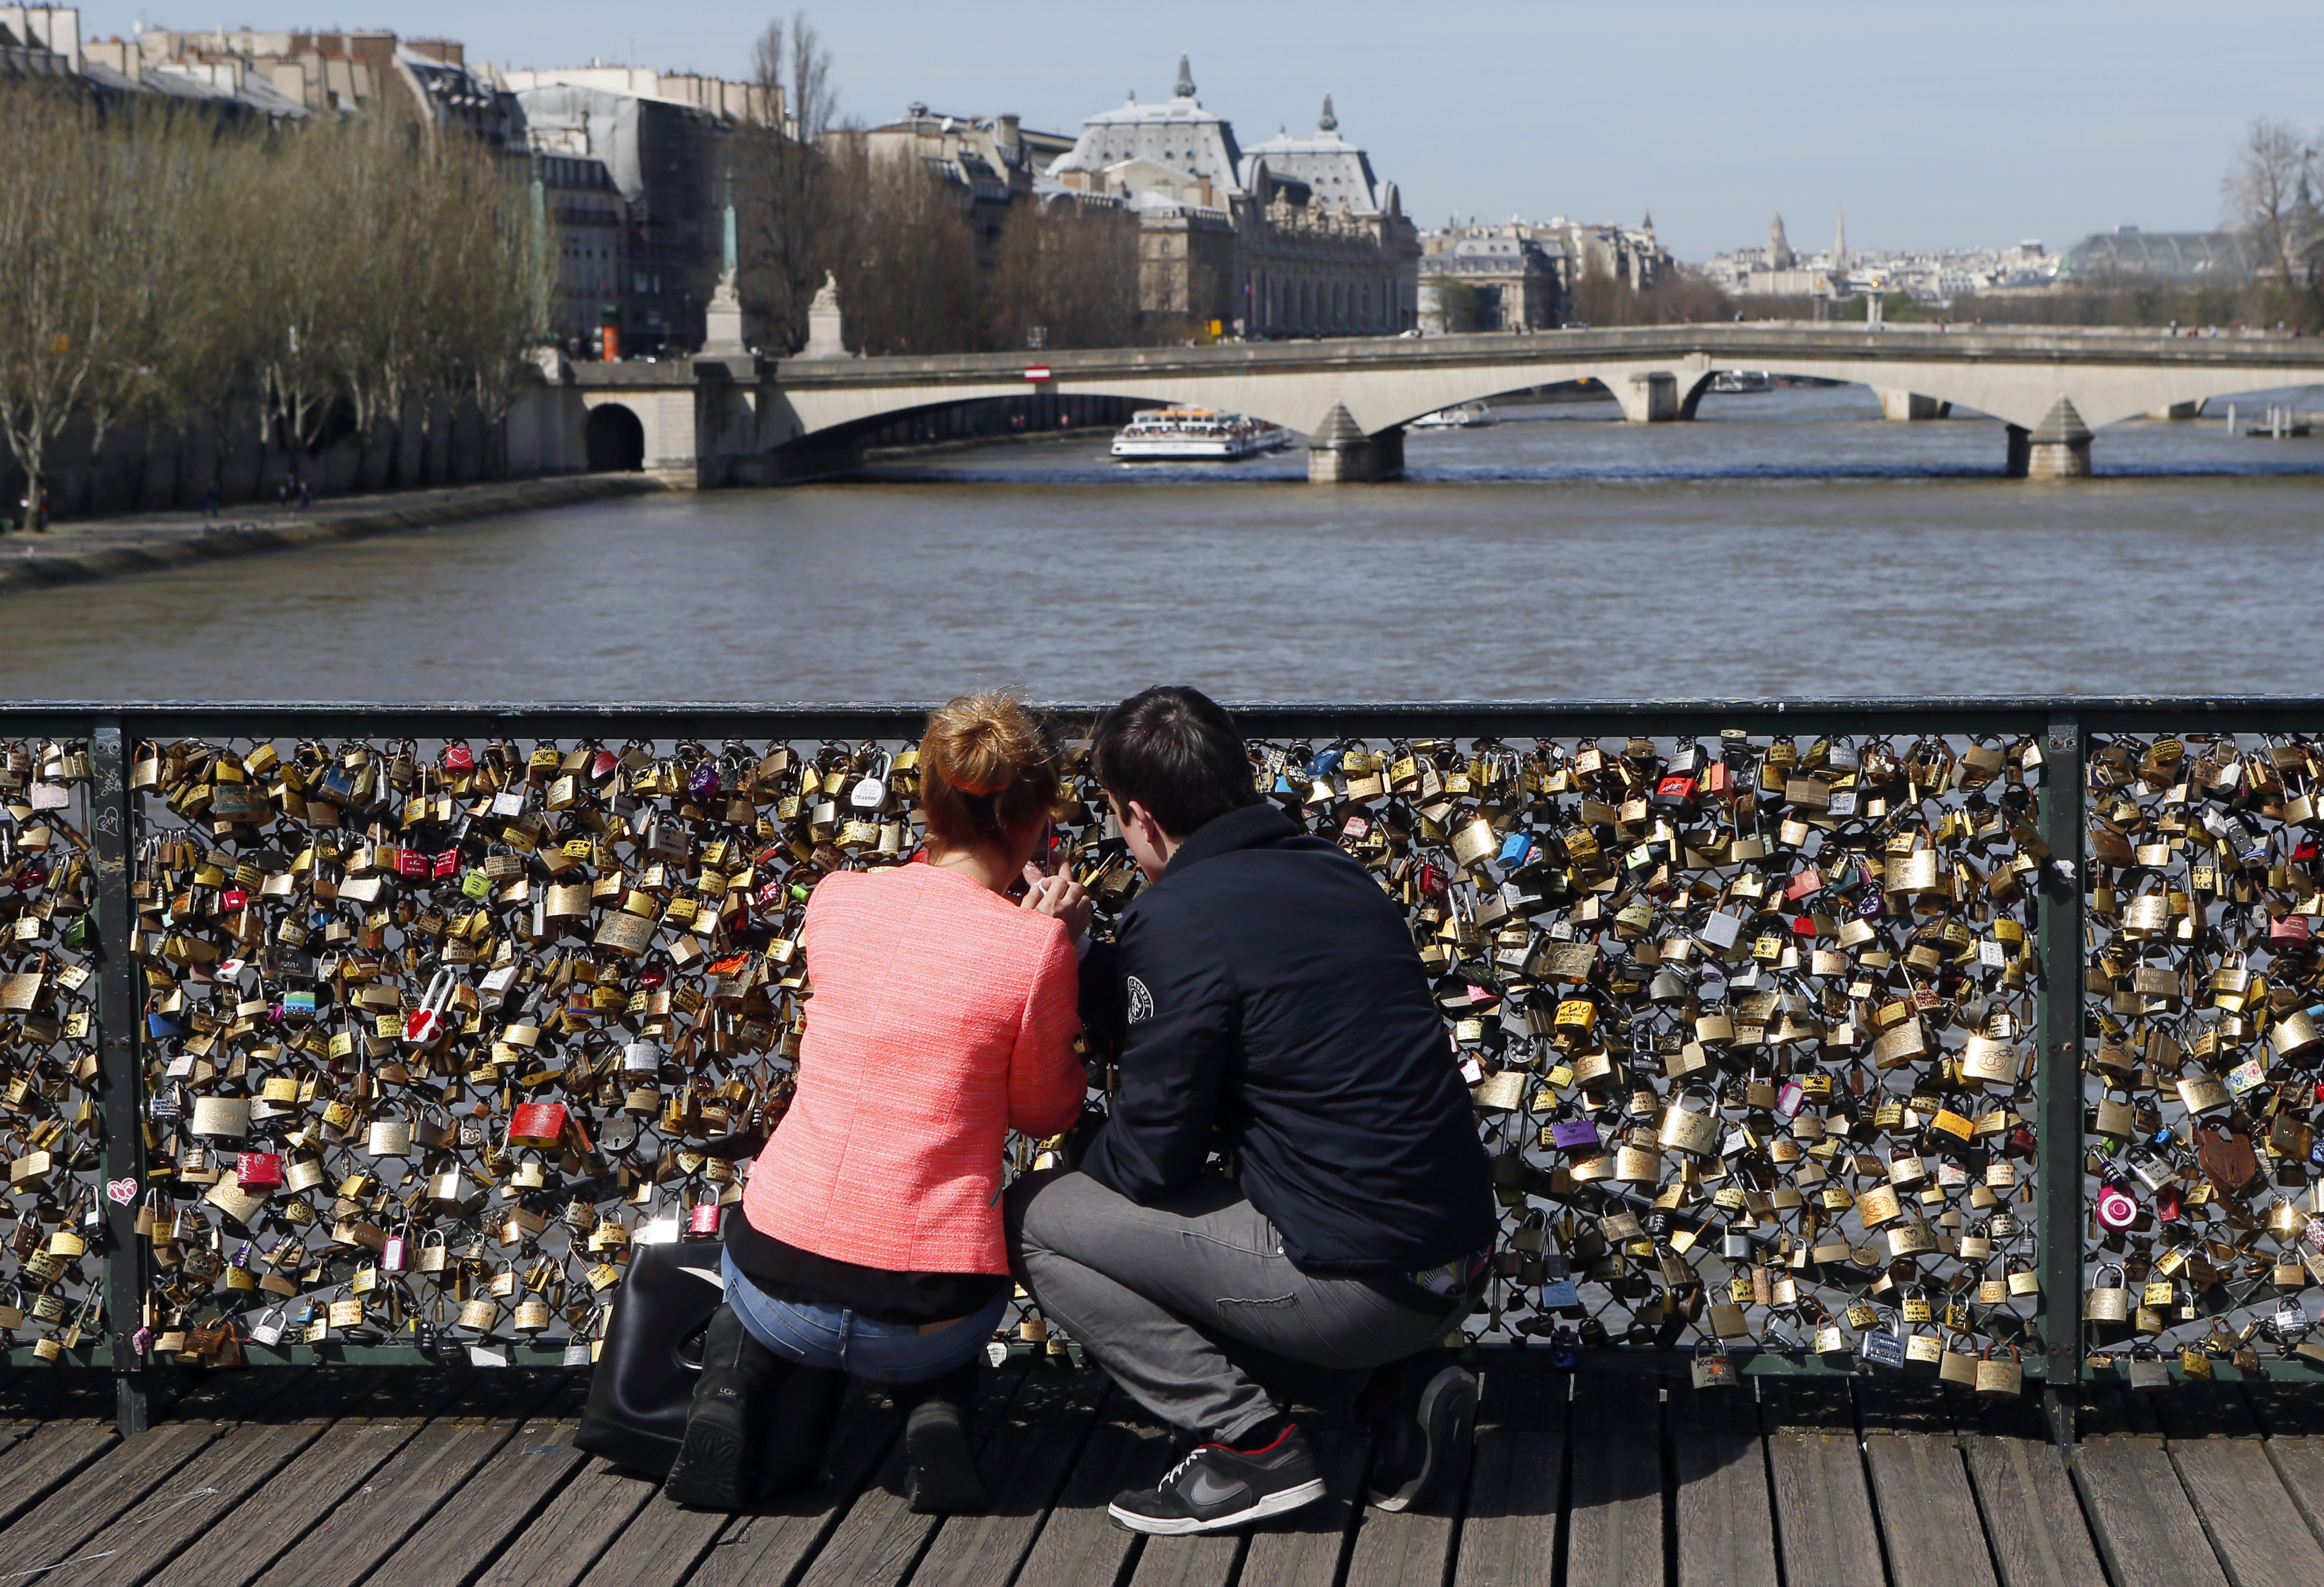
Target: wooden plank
column 2261, row 1537
column 258, row 1531
column 1823, row 1508
column 1079, row 1544
column 1614, row 1524
column 404, row 1495
column 2146, row 1530
column 1394, row 1550
column 1509, row 1536
column 563, row 1541
column 1204, row 1560
column 1027, row 1461
column 145, row 1539
column 1726, row 1516
column 1304, row 1548
column 2300, row 1464
column 1927, row 1512
column 32, row 1468
column 768, row 1544
column 664, row 1541
column 2032, row 1520
column 123, row 1478
column 494, row 1508
column 880, row 1539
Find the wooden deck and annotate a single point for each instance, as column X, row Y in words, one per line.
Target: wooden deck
column 333, row 1476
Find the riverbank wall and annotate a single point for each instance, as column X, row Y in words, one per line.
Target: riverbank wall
column 78, row 551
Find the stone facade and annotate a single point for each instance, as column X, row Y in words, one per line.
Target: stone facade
column 1293, row 237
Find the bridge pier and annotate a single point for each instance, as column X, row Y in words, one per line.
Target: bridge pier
column 2058, row 448
column 1649, row 397
column 1901, row 406
column 1341, row 453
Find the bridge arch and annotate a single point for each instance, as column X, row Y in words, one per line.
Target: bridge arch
column 614, row 439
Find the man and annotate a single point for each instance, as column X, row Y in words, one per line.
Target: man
column 1270, row 1003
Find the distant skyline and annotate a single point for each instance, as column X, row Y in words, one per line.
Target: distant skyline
column 1977, row 124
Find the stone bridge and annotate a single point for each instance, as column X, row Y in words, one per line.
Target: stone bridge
column 2052, row 388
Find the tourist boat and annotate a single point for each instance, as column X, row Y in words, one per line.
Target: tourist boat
column 1195, row 435
column 1732, row 381
column 1459, row 416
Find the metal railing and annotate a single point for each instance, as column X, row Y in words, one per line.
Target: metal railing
column 1761, row 1002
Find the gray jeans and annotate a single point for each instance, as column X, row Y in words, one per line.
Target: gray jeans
column 1153, row 1293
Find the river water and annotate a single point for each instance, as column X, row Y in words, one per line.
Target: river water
column 1786, row 543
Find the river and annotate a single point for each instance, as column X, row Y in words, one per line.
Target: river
column 1786, row 543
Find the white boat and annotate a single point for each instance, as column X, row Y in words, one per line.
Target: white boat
column 1459, row 416
column 1735, row 381
column 1195, row 435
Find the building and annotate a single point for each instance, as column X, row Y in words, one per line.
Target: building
column 2129, row 256
column 1484, row 278
column 1293, row 237
column 641, row 163
column 987, row 164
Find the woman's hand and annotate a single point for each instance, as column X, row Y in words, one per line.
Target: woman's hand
column 1059, row 896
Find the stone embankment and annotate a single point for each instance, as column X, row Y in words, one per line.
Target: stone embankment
column 79, row 550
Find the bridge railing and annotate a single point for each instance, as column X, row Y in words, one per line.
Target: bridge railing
column 1832, row 1036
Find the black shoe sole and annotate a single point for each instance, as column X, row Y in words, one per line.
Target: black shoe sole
column 707, row 1473
column 1447, row 1413
column 941, row 1477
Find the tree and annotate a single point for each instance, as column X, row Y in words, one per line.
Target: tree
column 2270, row 195
column 782, row 186
column 1070, row 269
column 58, row 291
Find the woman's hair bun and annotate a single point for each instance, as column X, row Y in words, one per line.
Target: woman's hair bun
column 987, row 767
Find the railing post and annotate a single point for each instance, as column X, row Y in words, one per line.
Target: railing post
column 121, row 1078
column 2060, row 1146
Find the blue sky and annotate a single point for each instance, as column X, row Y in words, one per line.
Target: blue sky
column 1979, row 122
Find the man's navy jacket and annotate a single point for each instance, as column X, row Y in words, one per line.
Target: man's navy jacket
column 1267, row 987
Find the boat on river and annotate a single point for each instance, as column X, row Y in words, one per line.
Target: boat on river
column 1195, row 435
column 1735, row 381
column 1459, row 416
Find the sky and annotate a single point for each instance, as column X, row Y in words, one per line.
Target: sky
column 1978, row 123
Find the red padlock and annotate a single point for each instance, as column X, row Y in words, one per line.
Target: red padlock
column 258, row 1170
column 233, row 899
column 2116, row 1209
column 458, row 757
column 413, row 863
column 447, row 864
column 702, row 1218
column 537, row 1124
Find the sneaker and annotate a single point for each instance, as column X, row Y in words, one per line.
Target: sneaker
column 1216, row 1487
column 713, row 1469
column 1422, row 1424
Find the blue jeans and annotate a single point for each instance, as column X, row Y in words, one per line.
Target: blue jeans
column 842, row 1341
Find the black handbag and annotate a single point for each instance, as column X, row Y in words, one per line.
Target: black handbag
column 645, row 1376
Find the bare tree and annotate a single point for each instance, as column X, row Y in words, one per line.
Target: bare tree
column 1069, row 269
column 2270, row 195
column 56, row 293
column 782, row 190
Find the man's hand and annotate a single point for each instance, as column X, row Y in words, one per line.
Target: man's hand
column 1057, row 894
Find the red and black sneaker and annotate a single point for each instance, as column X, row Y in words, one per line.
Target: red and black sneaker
column 1216, row 1487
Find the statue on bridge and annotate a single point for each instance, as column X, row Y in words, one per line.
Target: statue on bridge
column 823, row 323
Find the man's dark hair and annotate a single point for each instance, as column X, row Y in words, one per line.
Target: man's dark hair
column 1175, row 752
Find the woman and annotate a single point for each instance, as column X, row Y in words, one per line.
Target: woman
column 869, row 1241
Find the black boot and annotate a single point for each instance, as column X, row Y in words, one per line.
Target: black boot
column 806, row 1408
column 940, row 1446
column 713, row 1471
